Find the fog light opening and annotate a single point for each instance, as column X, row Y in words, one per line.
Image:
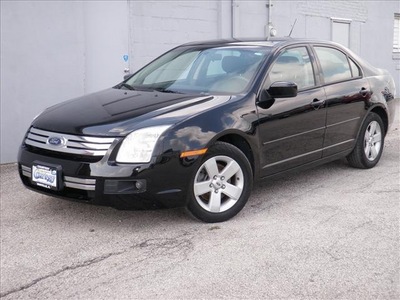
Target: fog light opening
column 139, row 185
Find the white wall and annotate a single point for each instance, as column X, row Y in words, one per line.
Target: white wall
column 42, row 63
column 249, row 18
column 375, row 37
column 52, row 51
column 157, row 26
column 106, row 42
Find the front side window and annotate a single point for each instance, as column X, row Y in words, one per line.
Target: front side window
column 334, row 64
column 293, row 65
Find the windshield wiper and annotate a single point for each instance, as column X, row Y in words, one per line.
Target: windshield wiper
column 164, row 90
column 125, row 85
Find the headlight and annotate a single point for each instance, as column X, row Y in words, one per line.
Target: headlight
column 138, row 146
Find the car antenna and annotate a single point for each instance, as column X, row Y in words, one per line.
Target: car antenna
column 290, row 33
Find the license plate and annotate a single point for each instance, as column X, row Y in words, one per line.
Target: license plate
column 45, row 176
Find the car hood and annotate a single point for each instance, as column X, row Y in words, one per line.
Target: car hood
column 115, row 112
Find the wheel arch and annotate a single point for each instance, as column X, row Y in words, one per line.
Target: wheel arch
column 242, row 144
column 381, row 112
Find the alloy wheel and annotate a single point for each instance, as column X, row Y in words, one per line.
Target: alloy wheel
column 372, row 140
column 218, row 184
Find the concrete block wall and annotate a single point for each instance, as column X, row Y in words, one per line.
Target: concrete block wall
column 354, row 10
column 157, row 26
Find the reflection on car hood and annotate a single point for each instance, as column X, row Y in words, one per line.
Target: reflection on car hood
column 115, row 112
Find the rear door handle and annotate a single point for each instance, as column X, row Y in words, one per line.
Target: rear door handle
column 364, row 92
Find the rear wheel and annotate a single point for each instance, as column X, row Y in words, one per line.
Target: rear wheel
column 221, row 185
column 369, row 145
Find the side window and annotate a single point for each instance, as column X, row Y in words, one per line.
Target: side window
column 334, row 64
column 293, row 65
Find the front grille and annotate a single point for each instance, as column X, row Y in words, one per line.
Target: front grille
column 70, row 144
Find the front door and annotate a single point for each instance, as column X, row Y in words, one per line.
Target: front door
column 291, row 131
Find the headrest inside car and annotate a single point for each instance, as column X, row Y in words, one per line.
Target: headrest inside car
column 232, row 64
column 287, row 60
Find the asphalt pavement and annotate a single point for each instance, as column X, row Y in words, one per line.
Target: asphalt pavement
column 327, row 233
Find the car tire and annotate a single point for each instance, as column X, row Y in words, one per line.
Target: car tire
column 221, row 185
column 369, row 145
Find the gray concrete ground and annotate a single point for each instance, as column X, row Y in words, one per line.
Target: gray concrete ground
column 327, row 233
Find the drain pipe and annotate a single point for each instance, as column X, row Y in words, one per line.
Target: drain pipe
column 269, row 12
column 233, row 18
column 270, row 31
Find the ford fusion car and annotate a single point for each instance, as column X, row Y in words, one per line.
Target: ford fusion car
column 198, row 125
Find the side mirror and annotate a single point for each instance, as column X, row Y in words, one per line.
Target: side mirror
column 279, row 89
column 282, row 89
column 126, row 76
column 265, row 101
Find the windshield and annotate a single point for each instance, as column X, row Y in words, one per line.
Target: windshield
column 222, row 70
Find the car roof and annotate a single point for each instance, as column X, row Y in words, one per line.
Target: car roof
column 234, row 41
column 271, row 42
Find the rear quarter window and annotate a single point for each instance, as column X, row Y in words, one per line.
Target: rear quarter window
column 355, row 70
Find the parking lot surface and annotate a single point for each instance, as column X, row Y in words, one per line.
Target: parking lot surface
column 328, row 233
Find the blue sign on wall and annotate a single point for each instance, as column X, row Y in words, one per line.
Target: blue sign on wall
column 125, row 57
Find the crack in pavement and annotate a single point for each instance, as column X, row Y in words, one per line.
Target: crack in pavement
column 344, row 237
column 292, row 197
column 162, row 243
column 64, row 269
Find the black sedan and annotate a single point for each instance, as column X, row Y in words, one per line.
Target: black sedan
column 199, row 124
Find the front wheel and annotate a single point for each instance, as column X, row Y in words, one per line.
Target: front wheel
column 369, row 145
column 221, row 185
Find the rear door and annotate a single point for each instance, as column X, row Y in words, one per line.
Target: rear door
column 347, row 95
column 291, row 131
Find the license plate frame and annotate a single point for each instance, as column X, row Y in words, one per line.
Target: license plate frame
column 46, row 175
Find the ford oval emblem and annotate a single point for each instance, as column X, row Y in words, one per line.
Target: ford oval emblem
column 56, row 141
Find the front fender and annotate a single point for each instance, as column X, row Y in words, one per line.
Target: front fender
column 237, row 116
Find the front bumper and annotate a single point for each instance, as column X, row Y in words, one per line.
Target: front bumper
column 162, row 183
